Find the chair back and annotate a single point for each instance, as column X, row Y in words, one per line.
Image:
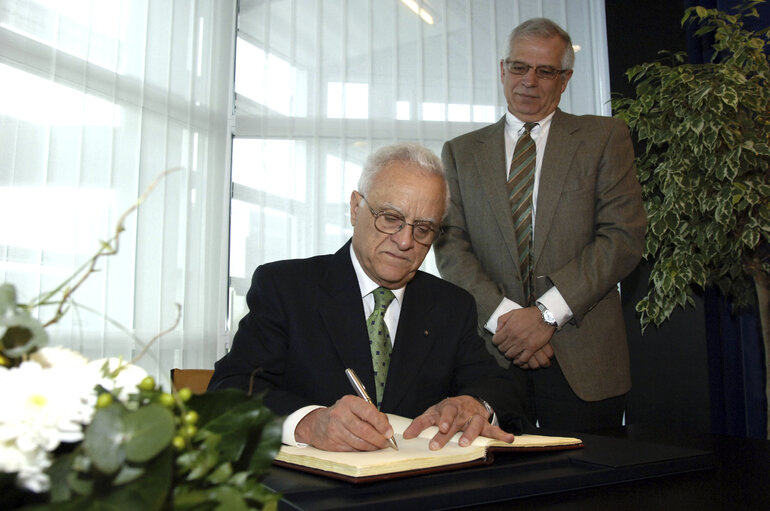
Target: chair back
column 197, row 380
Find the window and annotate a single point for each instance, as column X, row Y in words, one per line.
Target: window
column 97, row 98
column 320, row 85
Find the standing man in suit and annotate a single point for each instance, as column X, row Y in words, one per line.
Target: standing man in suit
column 307, row 323
column 542, row 251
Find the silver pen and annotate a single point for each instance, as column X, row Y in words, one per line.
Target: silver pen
column 361, row 391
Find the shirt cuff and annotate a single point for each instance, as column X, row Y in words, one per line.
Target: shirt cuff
column 506, row 305
column 555, row 303
column 290, row 425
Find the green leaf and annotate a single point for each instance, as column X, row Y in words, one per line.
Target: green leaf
column 213, row 404
column 750, row 238
column 206, row 457
column 267, row 449
column 103, row 442
column 236, row 426
column 58, row 473
column 229, row 499
column 186, row 497
column 127, row 474
column 149, row 492
column 147, row 432
column 221, row 474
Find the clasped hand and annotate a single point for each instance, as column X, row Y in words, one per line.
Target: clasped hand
column 524, row 338
column 352, row 424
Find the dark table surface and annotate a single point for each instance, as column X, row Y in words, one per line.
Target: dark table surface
column 625, row 469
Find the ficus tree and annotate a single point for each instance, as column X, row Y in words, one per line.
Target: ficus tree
column 704, row 166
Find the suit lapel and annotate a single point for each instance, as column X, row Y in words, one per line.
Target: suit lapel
column 414, row 342
column 490, row 162
column 559, row 151
column 342, row 316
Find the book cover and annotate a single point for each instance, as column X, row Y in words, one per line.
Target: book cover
column 413, row 457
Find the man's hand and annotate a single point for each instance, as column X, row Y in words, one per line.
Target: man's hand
column 541, row 358
column 351, row 424
column 453, row 414
column 522, row 334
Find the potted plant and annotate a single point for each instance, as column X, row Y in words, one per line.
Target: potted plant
column 86, row 435
column 705, row 168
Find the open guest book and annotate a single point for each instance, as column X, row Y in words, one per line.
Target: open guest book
column 413, row 457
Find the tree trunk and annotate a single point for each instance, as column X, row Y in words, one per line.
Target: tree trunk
column 762, row 283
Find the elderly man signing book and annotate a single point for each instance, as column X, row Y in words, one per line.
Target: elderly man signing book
column 410, row 337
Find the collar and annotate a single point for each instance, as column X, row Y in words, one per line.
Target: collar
column 514, row 126
column 366, row 284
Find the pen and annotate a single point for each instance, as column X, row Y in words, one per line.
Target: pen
column 361, row 391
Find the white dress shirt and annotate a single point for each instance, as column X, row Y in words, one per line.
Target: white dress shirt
column 392, row 314
column 552, row 299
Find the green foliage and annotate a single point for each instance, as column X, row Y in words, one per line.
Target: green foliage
column 159, row 454
column 705, row 166
column 155, row 451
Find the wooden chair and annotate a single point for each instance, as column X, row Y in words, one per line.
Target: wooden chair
column 197, row 380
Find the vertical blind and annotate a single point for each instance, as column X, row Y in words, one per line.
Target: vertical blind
column 97, row 98
column 320, row 85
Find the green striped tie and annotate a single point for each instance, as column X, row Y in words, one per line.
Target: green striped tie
column 379, row 339
column 521, row 183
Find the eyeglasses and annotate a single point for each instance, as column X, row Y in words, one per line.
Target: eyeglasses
column 545, row 72
column 390, row 222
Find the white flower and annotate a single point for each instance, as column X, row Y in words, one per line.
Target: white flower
column 29, row 466
column 40, row 409
column 124, row 383
column 48, row 400
column 58, row 357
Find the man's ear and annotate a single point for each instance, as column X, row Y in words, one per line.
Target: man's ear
column 354, row 202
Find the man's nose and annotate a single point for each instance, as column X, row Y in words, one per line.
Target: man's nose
column 404, row 238
column 530, row 77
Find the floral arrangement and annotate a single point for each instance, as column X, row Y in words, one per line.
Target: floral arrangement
column 85, row 435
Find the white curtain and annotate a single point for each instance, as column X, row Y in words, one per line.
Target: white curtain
column 98, row 97
column 321, row 84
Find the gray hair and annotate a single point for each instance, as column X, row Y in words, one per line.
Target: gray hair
column 544, row 28
column 405, row 152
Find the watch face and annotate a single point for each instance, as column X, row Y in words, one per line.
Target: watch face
column 548, row 316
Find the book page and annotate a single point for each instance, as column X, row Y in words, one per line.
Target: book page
column 399, row 424
column 413, row 454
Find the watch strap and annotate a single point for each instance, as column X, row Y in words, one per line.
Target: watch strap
column 492, row 415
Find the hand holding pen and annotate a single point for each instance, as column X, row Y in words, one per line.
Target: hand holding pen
column 350, row 424
column 361, row 391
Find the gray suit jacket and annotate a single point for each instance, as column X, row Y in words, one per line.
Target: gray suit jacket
column 589, row 234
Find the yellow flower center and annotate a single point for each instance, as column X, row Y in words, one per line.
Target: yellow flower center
column 37, row 400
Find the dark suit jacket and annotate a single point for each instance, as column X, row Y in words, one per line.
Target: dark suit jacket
column 306, row 325
column 589, row 234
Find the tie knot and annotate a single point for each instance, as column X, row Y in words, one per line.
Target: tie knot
column 382, row 298
column 529, row 126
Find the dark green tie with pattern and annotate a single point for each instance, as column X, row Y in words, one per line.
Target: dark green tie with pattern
column 379, row 339
column 521, row 181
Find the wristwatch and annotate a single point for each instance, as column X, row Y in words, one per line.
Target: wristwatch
column 548, row 317
column 492, row 415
